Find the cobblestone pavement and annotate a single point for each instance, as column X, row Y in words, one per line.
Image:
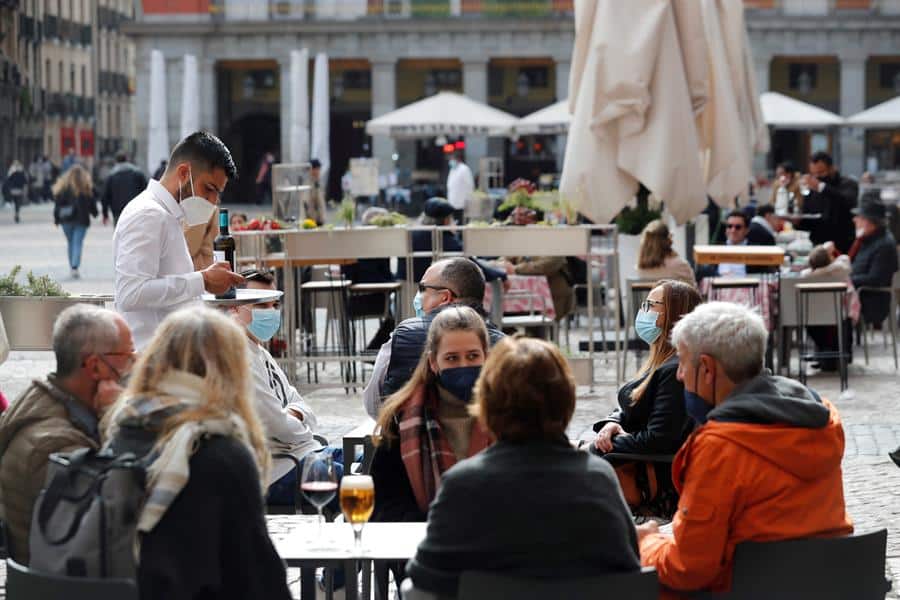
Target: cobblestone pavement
column 870, row 409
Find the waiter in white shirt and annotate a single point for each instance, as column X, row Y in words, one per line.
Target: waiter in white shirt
column 154, row 272
column 460, row 185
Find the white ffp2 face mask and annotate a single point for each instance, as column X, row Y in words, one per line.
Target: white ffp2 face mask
column 197, row 210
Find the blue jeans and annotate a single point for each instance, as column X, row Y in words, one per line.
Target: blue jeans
column 75, row 237
column 283, row 491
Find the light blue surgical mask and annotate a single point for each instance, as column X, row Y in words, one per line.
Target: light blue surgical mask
column 645, row 325
column 417, row 305
column 265, row 323
column 452, row 164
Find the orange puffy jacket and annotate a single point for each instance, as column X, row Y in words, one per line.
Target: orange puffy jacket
column 765, row 467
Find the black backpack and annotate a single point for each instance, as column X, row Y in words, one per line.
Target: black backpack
column 85, row 520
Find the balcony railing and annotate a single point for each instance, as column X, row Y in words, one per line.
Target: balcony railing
column 27, row 27
column 348, row 10
column 51, row 26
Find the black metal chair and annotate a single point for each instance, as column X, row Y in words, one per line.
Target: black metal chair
column 822, row 568
column 836, row 292
column 24, row 584
column 474, row 585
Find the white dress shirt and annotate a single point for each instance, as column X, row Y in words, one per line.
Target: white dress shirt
column 733, row 269
column 460, row 185
column 154, row 272
column 273, row 397
column 372, row 398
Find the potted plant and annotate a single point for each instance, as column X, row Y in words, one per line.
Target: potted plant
column 347, row 211
column 30, row 309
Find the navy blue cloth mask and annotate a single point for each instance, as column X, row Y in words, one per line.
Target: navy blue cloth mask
column 696, row 407
column 459, row 381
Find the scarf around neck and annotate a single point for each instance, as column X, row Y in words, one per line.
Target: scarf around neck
column 424, row 447
column 169, row 472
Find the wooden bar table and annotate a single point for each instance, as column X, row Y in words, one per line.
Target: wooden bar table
column 764, row 256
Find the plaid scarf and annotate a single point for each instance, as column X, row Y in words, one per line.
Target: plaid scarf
column 170, row 470
column 424, row 448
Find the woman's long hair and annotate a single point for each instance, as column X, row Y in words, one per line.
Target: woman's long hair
column 679, row 299
column 656, row 245
column 75, row 180
column 207, row 344
column 453, row 318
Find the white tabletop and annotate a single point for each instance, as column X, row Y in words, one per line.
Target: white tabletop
column 244, row 296
column 295, row 539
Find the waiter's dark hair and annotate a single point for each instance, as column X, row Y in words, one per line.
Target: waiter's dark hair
column 823, row 157
column 205, row 151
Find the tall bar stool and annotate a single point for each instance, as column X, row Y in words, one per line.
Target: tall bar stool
column 341, row 333
column 819, row 294
column 384, row 289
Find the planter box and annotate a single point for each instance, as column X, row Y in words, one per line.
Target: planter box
column 29, row 319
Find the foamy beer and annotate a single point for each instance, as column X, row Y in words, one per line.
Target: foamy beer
column 357, row 498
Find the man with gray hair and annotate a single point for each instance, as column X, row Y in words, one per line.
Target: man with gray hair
column 60, row 413
column 764, row 463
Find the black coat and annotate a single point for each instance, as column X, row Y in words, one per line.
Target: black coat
column 123, row 183
column 212, row 542
column 758, row 235
column 85, row 208
column 658, row 423
column 395, row 500
column 538, row 509
column 874, row 266
column 834, row 203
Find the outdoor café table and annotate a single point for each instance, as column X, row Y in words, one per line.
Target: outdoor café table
column 526, row 294
column 766, row 256
column 296, row 540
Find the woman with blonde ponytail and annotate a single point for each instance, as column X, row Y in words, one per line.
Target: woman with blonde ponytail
column 201, row 532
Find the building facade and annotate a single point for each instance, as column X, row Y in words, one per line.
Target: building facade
column 114, row 74
column 513, row 55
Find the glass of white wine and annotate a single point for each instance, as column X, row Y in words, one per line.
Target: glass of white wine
column 357, row 504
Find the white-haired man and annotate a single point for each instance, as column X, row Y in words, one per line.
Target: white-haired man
column 61, row 413
column 764, row 463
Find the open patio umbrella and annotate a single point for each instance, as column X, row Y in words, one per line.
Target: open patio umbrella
column 190, row 97
column 321, row 116
column 885, row 115
column 158, row 127
column 445, row 113
column 633, row 114
column 299, row 94
column 787, row 113
column 550, row 120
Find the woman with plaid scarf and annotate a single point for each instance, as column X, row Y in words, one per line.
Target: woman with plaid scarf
column 426, row 427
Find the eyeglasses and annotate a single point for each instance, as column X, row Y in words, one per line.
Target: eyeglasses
column 647, row 304
column 131, row 355
column 734, row 226
column 425, row 286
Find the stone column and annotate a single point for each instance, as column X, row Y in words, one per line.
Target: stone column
column 141, row 102
column 206, row 75
column 851, row 159
column 475, row 86
column 563, row 69
column 384, row 100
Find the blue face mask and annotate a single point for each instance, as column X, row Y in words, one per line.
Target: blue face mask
column 417, row 305
column 459, row 381
column 452, row 164
column 265, row 323
column 645, row 325
column 696, row 407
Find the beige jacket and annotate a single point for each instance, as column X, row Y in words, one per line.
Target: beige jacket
column 674, row 267
column 200, row 241
column 35, row 426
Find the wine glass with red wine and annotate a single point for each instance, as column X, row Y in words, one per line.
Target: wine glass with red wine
column 319, row 482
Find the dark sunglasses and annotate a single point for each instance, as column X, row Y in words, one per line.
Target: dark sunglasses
column 425, row 286
column 734, row 226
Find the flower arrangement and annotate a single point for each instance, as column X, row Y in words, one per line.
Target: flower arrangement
column 519, row 193
column 347, row 211
column 308, row 224
column 263, row 223
column 389, row 220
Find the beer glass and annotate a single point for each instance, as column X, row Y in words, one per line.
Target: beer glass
column 319, row 482
column 357, row 503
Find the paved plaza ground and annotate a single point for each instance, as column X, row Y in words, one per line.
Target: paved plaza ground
column 870, row 409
